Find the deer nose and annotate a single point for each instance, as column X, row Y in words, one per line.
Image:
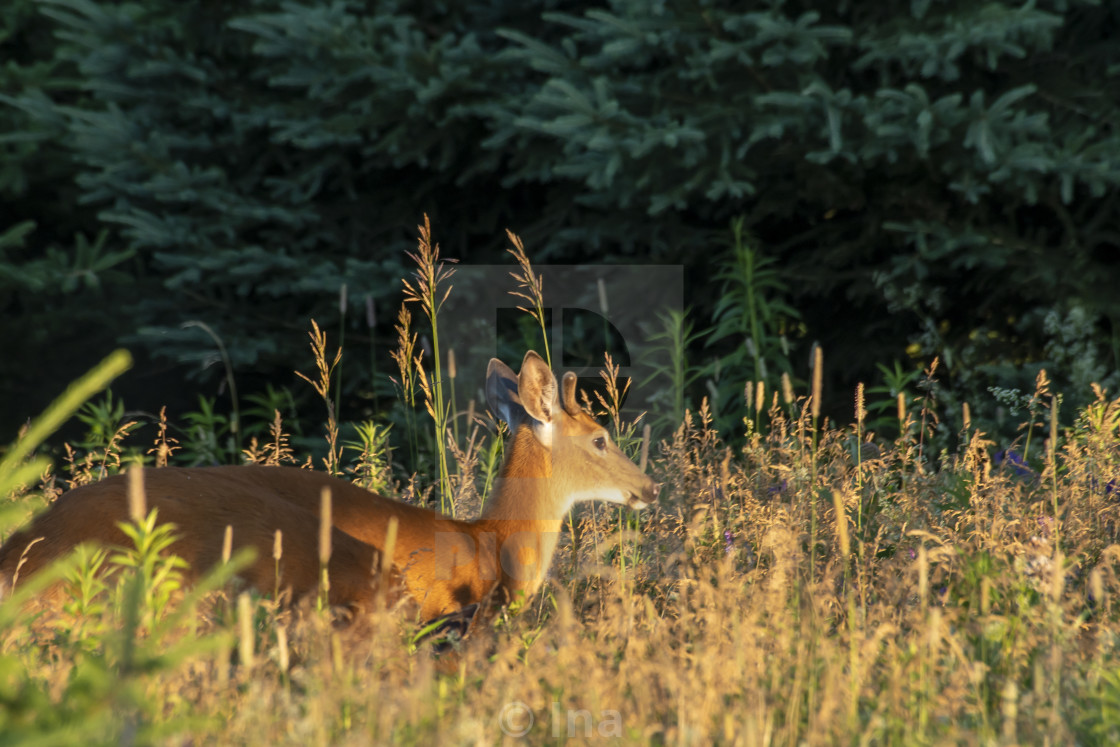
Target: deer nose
column 648, row 495
column 636, row 503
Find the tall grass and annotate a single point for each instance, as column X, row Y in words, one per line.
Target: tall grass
column 811, row 583
column 429, row 288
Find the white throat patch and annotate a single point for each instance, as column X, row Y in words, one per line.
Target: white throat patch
column 543, row 432
column 611, row 495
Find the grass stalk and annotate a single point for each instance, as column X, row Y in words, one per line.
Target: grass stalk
column 325, row 523
column 343, row 303
column 815, row 413
column 531, row 289
column 322, row 385
column 430, row 289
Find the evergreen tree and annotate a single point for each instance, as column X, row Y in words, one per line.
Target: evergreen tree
column 940, row 175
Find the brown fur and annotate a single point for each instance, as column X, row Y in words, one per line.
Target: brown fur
column 558, row 455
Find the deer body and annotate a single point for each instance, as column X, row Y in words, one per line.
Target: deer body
column 558, row 455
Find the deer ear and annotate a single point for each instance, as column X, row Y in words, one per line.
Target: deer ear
column 536, row 386
column 501, row 394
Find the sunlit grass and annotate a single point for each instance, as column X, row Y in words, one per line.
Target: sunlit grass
column 798, row 582
column 957, row 608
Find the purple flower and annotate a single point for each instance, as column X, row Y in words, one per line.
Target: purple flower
column 778, row 490
column 1108, row 489
column 1015, row 461
column 728, row 543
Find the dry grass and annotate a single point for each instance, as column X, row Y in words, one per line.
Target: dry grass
column 802, row 587
column 924, row 605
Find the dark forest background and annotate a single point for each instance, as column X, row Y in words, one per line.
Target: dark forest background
column 898, row 181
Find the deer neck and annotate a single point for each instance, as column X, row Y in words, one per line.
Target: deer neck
column 526, row 511
column 525, row 492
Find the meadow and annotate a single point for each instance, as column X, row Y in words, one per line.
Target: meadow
column 800, row 581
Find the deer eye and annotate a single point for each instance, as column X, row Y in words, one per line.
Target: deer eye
column 600, row 443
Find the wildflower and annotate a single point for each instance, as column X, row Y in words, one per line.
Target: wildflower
column 777, row 491
column 1015, row 461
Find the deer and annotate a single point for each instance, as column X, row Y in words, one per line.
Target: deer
column 557, row 455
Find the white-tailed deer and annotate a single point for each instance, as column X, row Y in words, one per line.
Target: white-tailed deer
column 557, row 455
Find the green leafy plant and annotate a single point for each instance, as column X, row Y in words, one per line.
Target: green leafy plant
column 106, row 430
column 158, row 573
column 208, row 438
column 751, row 326
column 14, row 470
column 373, row 467
column 672, row 343
column 882, row 404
